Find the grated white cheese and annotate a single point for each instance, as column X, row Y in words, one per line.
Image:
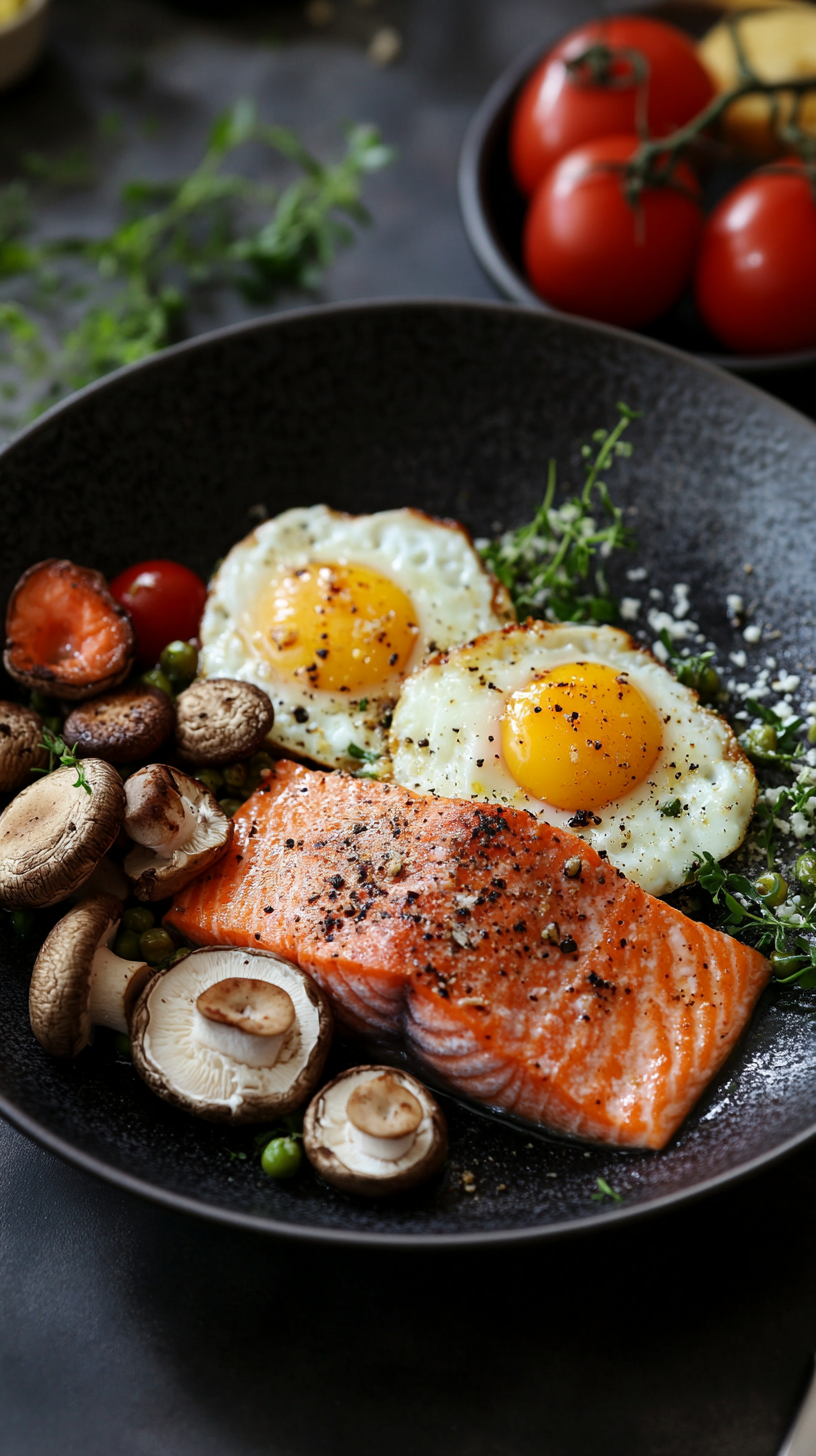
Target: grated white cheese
column 630, row 607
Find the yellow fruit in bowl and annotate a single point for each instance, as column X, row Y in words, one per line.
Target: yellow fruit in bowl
column 778, row 45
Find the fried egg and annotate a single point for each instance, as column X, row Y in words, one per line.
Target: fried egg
column 586, row 730
column 329, row 613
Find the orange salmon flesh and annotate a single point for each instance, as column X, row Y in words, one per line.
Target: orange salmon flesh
column 506, row 955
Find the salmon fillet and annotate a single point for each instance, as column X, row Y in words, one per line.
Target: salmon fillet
column 506, row 955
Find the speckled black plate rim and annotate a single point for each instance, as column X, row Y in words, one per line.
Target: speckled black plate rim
column 489, row 252
column 73, row 1155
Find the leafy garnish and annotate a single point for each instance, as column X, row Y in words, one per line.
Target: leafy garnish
column 59, row 752
column 777, row 931
column 545, row 565
column 694, row 671
column 179, row 242
column 604, row 1191
column 364, row 755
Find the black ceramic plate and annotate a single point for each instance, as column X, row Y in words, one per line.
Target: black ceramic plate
column 493, row 208
column 454, row 408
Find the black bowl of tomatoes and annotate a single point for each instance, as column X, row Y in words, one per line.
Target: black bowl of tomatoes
column 718, row 263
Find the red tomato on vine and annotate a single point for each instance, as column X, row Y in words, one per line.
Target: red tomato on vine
column 755, row 281
column 591, row 250
column 559, row 109
column 164, row 600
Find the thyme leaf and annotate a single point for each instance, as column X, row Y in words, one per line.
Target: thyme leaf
column 545, row 565
column 604, row 1192
column 59, row 752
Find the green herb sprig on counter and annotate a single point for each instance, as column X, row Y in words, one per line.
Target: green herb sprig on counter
column 217, row 228
column 59, row 752
column 545, row 565
column 694, row 672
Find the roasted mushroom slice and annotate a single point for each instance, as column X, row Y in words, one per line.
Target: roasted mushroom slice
column 53, row 835
column 78, row 982
column 375, row 1131
column 178, row 827
column 221, row 720
column 121, row 727
column 232, row 1035
column 21, row 732
column 64, row 632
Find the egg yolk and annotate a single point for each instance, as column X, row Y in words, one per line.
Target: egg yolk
column 339, row 628
column 580, row 736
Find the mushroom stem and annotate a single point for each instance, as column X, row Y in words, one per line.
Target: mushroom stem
column 389, row 1150
column 157, row 815
column 244, row 1019
column 115, row 986
column 241, row 1046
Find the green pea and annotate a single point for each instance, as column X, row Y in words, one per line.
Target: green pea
column 22, row 921
column 179, row 955
column 155, row 946
column 235, row 776
column 759, row 742
column 155, row 678
column 40, row 703
column 53, row 724
column 281, row 1158
column 179, row 660
column 211, row 779
column 127, row 946
column 230, row 806
column 788, row 965
column 773, row 890
column 261, row 763
column 122, row 1044
column 138, row 918
column 805, row 869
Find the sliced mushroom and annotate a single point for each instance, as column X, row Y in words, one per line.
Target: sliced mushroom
column 178, row 827
column 53, row 835
column 21, row 732
column 65, row 634
column 205, row 1035
column 221, row 720
column 375, row 1131
column 78, row 982
column 121, row 727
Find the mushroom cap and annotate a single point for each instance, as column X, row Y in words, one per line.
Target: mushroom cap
column 208, row 1083
column 158, row 797
column 21, row 732
column 121, row 727
column 60, row 989
column 220, row 720
column 331, row 1148
column 53, row 834
column 65, row 634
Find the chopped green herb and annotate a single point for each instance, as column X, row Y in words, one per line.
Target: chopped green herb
column 545, row 565
column 364, row 755
column 694, row 672
column 672, row 809
column 59, row 752
column 604, row 1191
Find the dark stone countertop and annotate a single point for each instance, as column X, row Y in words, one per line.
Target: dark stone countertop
column 128, row 1330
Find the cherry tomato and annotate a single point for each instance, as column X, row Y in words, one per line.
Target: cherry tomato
column 755, row 281
column 558, row 110
column 588, row 250
column 164, row 601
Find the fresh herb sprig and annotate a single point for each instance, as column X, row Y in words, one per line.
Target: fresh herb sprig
column 131, row 292
column 750, row 912
column 694, row 671
column 59, row 752
column 545, row 565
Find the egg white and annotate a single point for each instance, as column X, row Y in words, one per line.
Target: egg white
column 446, row 740
column 433, row 562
